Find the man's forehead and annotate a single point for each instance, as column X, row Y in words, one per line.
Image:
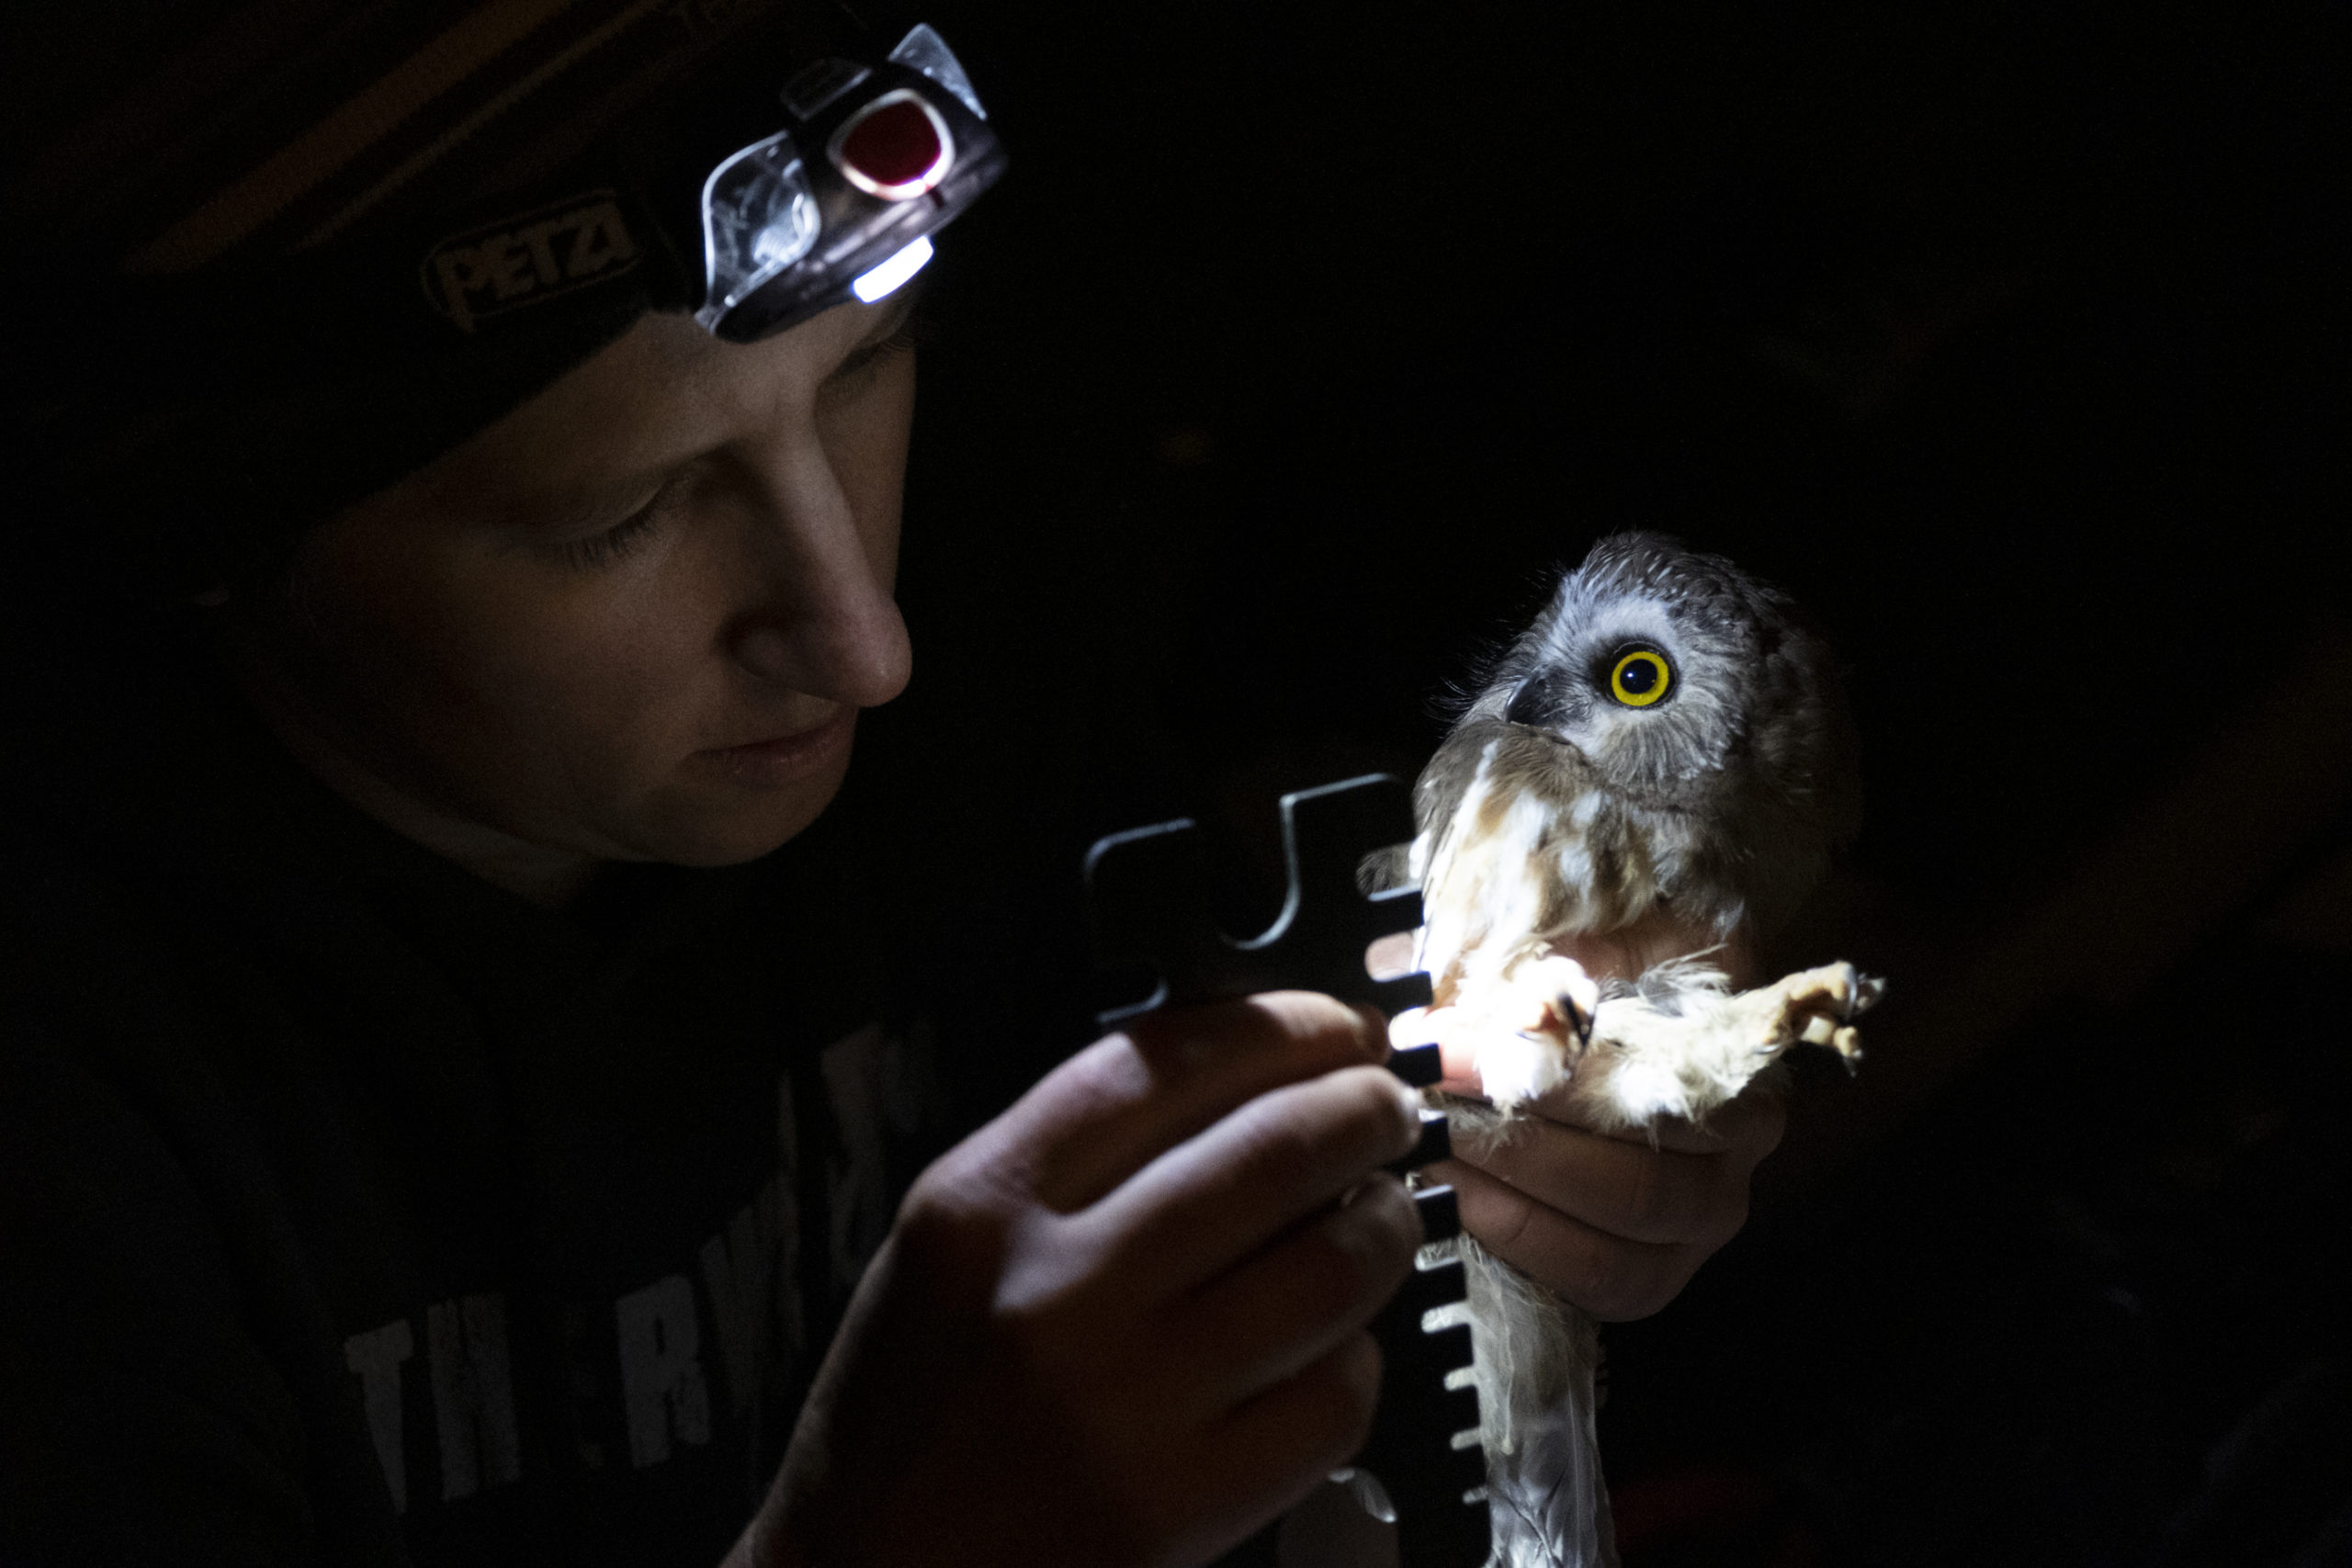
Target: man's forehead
column 647, row 400
column 666, row 358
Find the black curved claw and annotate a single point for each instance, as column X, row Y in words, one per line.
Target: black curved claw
column 1579, row 1022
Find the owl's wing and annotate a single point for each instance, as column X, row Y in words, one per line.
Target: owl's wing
column 1437, row 797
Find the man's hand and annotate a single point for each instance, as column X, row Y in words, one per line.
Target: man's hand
column 1614, row 1223
column 1122, row 1323
column 1607, row 1221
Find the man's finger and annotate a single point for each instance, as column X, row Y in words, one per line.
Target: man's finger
column 1111, row 1109
column 1609, row 1275
column 1290, row 1302
column 1748, row 1127
column 1625, row 1188
column 1456, row 1058
column 1276, row 1447
column 1214, row 1198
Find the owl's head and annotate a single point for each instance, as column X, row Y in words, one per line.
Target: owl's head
column 1681, row 686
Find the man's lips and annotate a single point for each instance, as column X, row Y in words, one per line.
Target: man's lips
column 783, row 758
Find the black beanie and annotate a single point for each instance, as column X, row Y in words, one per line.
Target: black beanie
column 267, row 258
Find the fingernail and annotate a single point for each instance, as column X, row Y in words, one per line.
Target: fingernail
column 1434, row 1143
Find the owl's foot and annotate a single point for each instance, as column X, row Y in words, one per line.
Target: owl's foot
column 1815, row 1007
column 1560, row 1000
column 1680, row 1044
column 1525, row 1031
column 1549, row 1002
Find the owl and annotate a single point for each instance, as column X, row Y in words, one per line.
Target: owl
column 1660, row 768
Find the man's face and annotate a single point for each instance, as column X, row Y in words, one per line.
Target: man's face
column 633, row 620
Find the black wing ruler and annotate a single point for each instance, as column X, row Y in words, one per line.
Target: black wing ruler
column 1149, row 896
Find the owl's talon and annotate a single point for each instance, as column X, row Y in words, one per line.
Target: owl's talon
column 1818, row 1007
column 1868, row 991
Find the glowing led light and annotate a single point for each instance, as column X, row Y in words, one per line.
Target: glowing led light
column 884, row 280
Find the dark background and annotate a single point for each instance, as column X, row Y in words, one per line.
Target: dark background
column 1305, row 341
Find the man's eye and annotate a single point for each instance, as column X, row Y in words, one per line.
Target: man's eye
column 603, row 548
column 909, row 332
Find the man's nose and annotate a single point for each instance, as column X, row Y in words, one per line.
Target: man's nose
column 818, row 614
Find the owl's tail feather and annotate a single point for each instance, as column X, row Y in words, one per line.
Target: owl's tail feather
column 1535, row 1363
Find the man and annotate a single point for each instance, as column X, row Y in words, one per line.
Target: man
column 453, row 1077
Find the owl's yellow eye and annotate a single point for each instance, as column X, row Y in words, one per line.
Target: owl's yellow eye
column 1640, row 678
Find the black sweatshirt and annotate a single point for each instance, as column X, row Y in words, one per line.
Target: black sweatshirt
column 355, row 1211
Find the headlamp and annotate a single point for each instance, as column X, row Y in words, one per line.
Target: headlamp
column 842, row 201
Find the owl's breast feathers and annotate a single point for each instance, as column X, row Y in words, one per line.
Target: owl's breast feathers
column 1522, row 844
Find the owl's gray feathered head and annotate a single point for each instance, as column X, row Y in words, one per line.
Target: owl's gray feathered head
column 1695, row 699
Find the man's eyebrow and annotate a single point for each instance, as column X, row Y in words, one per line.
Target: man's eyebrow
column 890, row 320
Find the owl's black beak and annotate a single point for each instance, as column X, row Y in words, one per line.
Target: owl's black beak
column 1536, row 703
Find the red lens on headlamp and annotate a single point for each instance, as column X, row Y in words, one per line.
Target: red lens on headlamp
column 786, row 235
column 894, row 147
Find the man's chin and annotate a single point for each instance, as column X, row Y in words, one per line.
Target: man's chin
column 737, row 826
